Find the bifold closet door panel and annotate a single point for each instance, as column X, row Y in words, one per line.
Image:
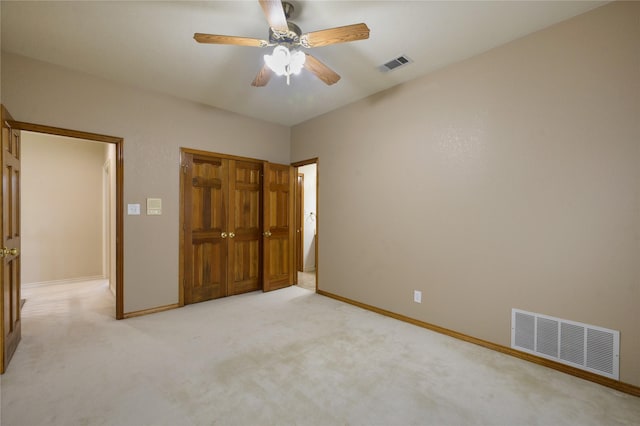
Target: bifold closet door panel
column 245, row 237
column 206, row 199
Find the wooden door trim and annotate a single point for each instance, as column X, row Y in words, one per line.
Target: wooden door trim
column 315, row 161
column 305, row 162
column 39, row 128
column 118, row 142
column 217, row 154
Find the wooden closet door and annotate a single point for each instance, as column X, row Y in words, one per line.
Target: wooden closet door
column 245, row 238
column 279, row 226
column 206, row 196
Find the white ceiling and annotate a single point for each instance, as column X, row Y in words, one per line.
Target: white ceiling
column 150, row 44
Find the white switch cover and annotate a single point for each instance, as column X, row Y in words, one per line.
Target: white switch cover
column 417, row 296
column 133, row 209
column 154, row 206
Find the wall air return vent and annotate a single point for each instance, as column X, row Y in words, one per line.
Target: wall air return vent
column 584, row 346
column 395, row 63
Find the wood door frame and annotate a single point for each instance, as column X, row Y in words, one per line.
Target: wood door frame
column 297, row 164
column 181, row 223
column 118, row 142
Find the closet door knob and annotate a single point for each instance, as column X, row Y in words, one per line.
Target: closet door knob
column 232, row 235
column 267, row 234
column 223, row 235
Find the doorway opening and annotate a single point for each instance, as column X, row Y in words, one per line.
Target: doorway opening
column 306, row 215
column 72, row 189
column 68, row 193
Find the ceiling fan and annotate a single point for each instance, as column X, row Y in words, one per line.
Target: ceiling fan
column 288, row 41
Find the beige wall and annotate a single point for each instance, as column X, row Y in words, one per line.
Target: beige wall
column 62, row 204
column 510, row 180
column 154, row 127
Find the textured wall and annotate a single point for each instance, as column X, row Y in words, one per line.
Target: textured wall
column 509, row 180
column 154, row 127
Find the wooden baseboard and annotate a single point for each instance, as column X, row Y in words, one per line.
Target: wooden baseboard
column 586, row 375
column 150, row 311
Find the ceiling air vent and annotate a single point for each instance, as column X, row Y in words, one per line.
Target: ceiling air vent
column 395, row 63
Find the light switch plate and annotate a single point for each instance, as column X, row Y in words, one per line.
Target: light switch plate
column 133, row 209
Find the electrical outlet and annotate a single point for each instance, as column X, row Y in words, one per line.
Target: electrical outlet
column 417, row 296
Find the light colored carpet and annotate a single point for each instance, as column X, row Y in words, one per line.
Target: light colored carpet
column 285, row 357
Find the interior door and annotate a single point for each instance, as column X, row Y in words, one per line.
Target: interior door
column 10, row 195
column 205, row 203
column 245, row 239
column 278, row 226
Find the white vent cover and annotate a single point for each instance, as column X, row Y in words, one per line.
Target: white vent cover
column 395, row 63
column 584, row 346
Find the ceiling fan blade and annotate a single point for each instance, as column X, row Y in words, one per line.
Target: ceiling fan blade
column 335, row 35
column 274, row 13
column 321, row 71
column 224, row 39
column 263, row 77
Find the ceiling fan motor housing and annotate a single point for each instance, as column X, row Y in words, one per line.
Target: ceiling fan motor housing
column 291, row 37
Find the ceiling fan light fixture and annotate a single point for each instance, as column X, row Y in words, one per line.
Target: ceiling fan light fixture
column 284, row 62
column 297, row 62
